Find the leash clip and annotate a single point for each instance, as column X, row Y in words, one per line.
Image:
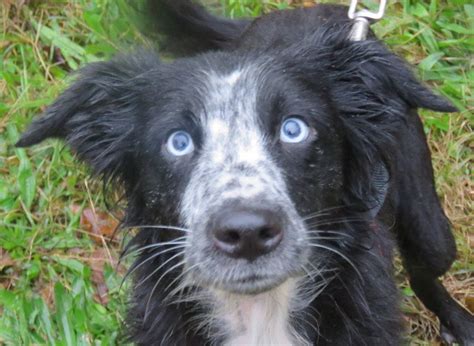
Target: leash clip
column 363, row 19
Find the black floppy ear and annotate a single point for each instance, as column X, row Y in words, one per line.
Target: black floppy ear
column 97, row 115
column 374, row 92
column 387, row 76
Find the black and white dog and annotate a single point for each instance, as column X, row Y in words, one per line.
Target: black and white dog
column 267, row 173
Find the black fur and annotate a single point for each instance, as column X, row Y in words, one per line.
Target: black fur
column 117, row 114
column 180, row 25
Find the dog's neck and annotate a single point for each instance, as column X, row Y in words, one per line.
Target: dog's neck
column 263, row 319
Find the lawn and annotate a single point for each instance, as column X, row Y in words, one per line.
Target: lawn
column 59, row 277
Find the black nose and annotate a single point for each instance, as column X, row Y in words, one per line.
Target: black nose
column 246, row 233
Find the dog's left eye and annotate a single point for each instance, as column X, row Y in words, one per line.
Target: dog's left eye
column 294, row 130
column 180, row 143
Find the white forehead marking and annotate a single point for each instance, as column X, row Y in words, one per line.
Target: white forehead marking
column 251, row 152
column 218, row 156
column 233, row 77
column 217, row 132
column 218, row 127
column 234, row 163
column 221, row 87
column 232, row 120
column 231, row 123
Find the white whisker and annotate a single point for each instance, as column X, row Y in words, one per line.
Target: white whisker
column 157, row 283
column 152, row 257
column 156, row 245
column 159, row 267
column 340, row 254
column 164, row 227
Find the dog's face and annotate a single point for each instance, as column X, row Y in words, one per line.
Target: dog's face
column 241, row 150
column 244, row 154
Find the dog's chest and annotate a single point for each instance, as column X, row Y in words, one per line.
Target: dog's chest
column 258, row 321
column 263, row 319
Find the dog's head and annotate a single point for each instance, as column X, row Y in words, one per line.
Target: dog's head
column 243, row 152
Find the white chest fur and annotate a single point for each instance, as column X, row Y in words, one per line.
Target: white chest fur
column 263, row 319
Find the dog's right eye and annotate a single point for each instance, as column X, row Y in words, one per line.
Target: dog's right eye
column 294, row 130
column 180, row 143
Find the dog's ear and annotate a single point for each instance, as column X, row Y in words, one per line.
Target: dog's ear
column 384, row 75
column 97, row 115
column 374, row 92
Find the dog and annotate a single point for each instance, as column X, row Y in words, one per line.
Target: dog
column 270, row 171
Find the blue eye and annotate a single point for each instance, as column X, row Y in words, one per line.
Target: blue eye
column 180, row 143
column 294, row 130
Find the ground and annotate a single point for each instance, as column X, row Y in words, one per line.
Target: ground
column 59, row 277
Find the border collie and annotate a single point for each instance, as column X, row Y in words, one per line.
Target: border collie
column 270, row 171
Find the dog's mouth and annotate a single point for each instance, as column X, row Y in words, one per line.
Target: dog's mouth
column 245, row 279
column 252, row 285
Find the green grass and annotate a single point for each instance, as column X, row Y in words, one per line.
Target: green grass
column 57, row 284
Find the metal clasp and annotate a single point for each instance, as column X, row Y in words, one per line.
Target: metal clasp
column 363, row 19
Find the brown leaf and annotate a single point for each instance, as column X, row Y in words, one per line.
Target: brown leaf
column 47, row 291
column 101, row 290
column 308, row 3
column 97, row 261
column 99, row 225
column 304, row 3
column 75, row 208
column 471, row 240
column 4, row 44
column 470, row 303
column 5, row 260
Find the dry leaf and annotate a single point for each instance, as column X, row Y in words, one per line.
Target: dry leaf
column 47, row 292
column 98, row 225
column 4, row 44
column 5, row 260
column 97, row 261
column 470, row 303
